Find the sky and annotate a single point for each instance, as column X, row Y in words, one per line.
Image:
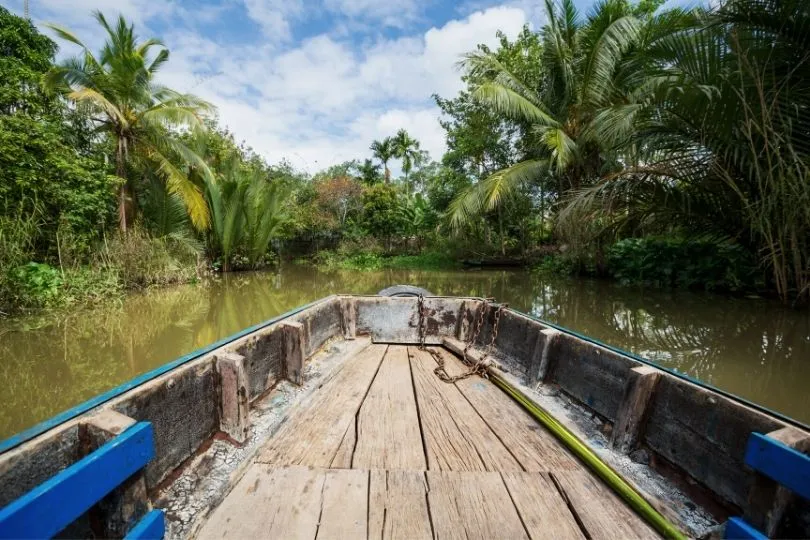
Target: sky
column 310, row 81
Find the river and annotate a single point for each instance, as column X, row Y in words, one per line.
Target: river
column 754, row 348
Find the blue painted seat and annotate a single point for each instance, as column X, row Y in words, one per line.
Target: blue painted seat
column 53, row 505
column 778, row 462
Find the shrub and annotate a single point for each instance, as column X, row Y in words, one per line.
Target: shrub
column 141, row 260
column 688, row 263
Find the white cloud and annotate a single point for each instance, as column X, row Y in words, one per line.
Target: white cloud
column 386, row 13
column 274, row 16
column 322, row 100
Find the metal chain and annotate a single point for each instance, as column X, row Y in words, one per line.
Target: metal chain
column 481, row 365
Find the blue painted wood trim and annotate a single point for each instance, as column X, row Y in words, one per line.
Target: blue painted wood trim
column 57, row 502
column 82, row 408
column 737, row 529
column 151, row 527
column 779, row 462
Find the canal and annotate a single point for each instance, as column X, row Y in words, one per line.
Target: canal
column 754, row 348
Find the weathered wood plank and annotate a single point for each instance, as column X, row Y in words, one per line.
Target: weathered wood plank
column 768, row 500
column 541, row 507
column 398, row 506
column 472, row 505
column 269, row 503
column 313, row 435
column 348, row 317
column 602, row 512
column 343, row 457
column 234, row 398
column 294, row 347
column 388, row 435
column 535, row 448
column 633, row 408
column 344, row 509
column 456, row 438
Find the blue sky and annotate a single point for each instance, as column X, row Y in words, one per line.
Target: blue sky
column 311, row 81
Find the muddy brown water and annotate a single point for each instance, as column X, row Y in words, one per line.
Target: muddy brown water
column 753, row 348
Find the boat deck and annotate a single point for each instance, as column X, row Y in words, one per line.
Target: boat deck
column 384, row 449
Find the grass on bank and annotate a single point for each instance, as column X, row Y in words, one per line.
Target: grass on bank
column 332, row 260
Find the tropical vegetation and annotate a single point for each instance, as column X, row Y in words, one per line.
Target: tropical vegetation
column 659, row 147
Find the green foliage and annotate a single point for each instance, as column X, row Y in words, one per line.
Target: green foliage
column 381, row 213
column 686, row 263
column 37, row 280
column 140, row 260
column 368, row 261
column 118, row 89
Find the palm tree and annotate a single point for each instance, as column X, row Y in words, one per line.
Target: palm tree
column 589, row 68
column 384, row 150
column 407, row 149
column 138, row 115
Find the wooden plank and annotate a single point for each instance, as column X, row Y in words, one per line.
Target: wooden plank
column 234, row 395
column 388, row 435
column 313, row 435
column 151, row 527
column 632, row 414
column 270, row 503
column 780, row 462
column 456, row 438
column 534, row 448
column 54, row 504
column 472, row 505
column 398, row 506
column 541, row 507
column 343, row 457
column 767, row 500
column 294, row 347
column 602, row 513
column 344, row 509
column 348, row 317
column 114, row 514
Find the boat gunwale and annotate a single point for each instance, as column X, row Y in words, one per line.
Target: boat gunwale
column 82, row 408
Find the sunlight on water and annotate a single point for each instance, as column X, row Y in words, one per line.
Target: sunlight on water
column 752, row 348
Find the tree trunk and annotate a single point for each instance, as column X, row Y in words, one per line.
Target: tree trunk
column 500, row 227
column 387, row 174
column 123, row 192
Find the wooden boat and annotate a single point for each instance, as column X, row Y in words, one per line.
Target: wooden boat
column 357, row 417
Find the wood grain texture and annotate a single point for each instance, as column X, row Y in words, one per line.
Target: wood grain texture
column 344, row 508
column 602, row 512
column 472, row 505
column 541, row 507
column 269, row 503
column 529, row 442
column 313, row 435
column 398, row 506
column 343, row 457
column 632, row 413
column 388, row 435
column 456, row 437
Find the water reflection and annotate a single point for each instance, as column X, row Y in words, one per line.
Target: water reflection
column 753, row 348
